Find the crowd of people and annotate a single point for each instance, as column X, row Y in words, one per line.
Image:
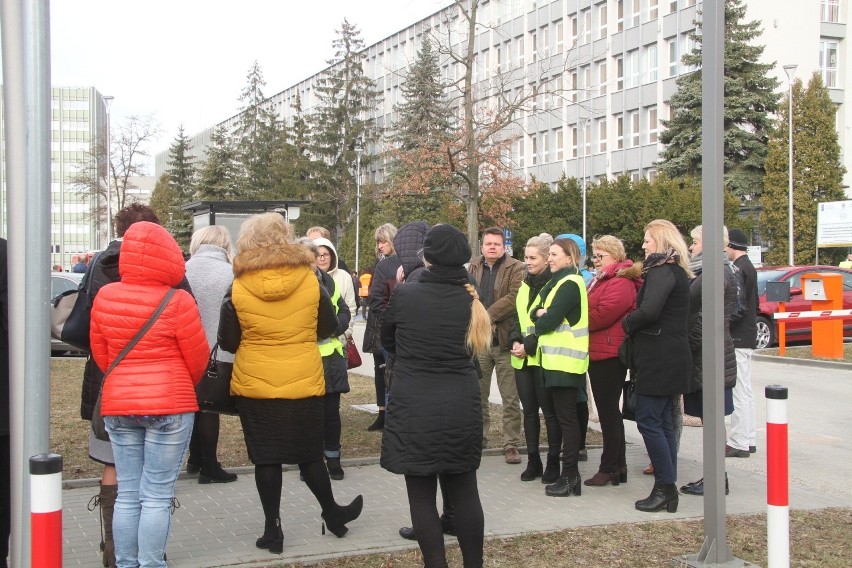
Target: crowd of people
column 278, row 311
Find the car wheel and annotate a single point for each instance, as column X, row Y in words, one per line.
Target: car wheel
column 765, row 332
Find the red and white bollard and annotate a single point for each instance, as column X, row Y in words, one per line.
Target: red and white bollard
column 46, row 511
column 777, row 478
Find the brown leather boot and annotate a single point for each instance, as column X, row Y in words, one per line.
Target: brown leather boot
column 106, row 500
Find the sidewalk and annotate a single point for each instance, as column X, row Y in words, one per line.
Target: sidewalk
column 217, row 525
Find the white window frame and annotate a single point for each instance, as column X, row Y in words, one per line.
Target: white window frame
column 653, row 124
column 587, row 26
column 587, row 138
column 829, row 11
column 673, row 56
column 651, row 64
column 587, row 82
column 602, row 21
column 632, row 69
column 619, row 131
column 828, row 68
column 672, row 6
column 602, row 78
column 575, row 86
column 574, row 140
column 619, row 73
column 545, row 148
column 602, row 136
column 619, row 16
column 636, row 14
column 544, row 31
column 534, row 138
column 634, row 128
column 521, row 150
column 534, row 42
column 560, row 36
column 653, row 10
column 560, row 144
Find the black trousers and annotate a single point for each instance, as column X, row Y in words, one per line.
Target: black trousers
column 469, row 519
column 332, row 424
column 607, row 378
column 565, row 399
column 379, row 377
column 534, row 396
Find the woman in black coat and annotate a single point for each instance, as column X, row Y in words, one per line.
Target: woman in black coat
column 661, row 360
column 435, row 328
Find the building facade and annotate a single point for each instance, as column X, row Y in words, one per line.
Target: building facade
column 78, row 121
column 610, row 67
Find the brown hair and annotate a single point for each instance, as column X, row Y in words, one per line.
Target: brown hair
column 570, row 248
column 325, row 233
column 494, row 231
column 133, row 213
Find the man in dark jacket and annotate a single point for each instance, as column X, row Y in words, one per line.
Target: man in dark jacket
column 499, row 277
column 741, row 442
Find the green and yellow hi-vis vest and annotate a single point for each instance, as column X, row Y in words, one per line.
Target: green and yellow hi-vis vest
column 566, row 349
column 332, row 344
column 527, row 327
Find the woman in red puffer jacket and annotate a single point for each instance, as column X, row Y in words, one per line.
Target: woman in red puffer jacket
column 612, row 295
column 148, row 400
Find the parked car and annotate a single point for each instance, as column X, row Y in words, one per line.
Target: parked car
column 767, row 327
column 62, row 282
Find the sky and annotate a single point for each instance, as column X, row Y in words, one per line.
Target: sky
column 185, row 61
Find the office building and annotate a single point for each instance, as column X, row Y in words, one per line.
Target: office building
column 611, row 66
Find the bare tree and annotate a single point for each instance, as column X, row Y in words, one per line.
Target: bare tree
column 128, row 151
column 491, row 111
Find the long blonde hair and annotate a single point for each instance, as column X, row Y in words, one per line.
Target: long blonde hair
column 478, row 338
column 667, row 236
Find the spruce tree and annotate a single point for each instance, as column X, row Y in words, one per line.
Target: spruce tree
column 345, row 95
column 218, row 177
column 261, row 140
column 182, row 177
column 750, row 99
column 817, row 174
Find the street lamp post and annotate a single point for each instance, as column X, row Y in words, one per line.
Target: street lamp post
column 358, row 151
column 586, row 135
column 108, row 104
column 790, row 70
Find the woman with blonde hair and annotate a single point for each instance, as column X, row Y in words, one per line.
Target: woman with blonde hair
column 381, row 287
column 612, row 295
column 210, row 274
column 560, row 317
column 661, row 359
column 436, row 327
column 529, row 377
column 272, row 318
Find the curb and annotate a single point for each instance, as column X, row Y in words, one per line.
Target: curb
column 249, row 470
column 819, row 364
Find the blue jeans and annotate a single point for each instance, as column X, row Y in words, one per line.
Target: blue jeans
column 654, row 421
column 148, row 454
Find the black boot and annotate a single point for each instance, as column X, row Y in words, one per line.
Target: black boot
column 273, row 536
column 337, row 518
column 212, row 472
column 663, row 496
column 534, row 467
column 568, row 483
column 379, row 424
column 334, row 470
column 551, row 471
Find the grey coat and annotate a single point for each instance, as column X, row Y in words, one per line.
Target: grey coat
column 210, row 275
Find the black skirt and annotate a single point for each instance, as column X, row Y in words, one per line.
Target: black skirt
column 693, row 403
column 282, row 431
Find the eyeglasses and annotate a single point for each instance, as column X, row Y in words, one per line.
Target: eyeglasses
column 599, row 256
column 323, row 256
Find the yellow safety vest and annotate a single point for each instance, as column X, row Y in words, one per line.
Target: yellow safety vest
column 332, row 344
column 567, row 348
column 522, row 301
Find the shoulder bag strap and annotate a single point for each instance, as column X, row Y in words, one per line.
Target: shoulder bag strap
column 163, row 303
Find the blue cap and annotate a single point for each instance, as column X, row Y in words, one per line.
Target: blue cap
column 581, row 244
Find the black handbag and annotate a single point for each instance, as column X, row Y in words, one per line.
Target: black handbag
column 628, row 404
column 214, row 389
column 71, row 313
column 98, row 426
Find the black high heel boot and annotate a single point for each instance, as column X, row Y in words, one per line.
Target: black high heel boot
column 273, row 537
column 534, row 468
column 337, row 518
column 551, row 471
column 663, row 496
column 622, row 474
column 564, row 486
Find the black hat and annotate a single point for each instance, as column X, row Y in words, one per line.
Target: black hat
column 737, row 240
column 446, row 246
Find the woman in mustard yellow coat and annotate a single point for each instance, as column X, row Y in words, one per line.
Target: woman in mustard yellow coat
column 271, row 320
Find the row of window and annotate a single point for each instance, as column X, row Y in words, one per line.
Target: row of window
column 632, row 129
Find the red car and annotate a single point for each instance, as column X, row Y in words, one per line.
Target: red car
column 767, row 328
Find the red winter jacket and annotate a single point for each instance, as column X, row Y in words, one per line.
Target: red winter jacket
column 612, row 295
column 158, row 375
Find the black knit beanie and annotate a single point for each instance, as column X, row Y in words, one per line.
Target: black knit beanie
column 446, row 246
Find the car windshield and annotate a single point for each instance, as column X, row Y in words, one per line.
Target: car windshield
column 764, row 276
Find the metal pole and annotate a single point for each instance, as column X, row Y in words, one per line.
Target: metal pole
column 790, row 70
column 358, row 151
column 26, row 89
column 586, row 124
column 107, row 105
